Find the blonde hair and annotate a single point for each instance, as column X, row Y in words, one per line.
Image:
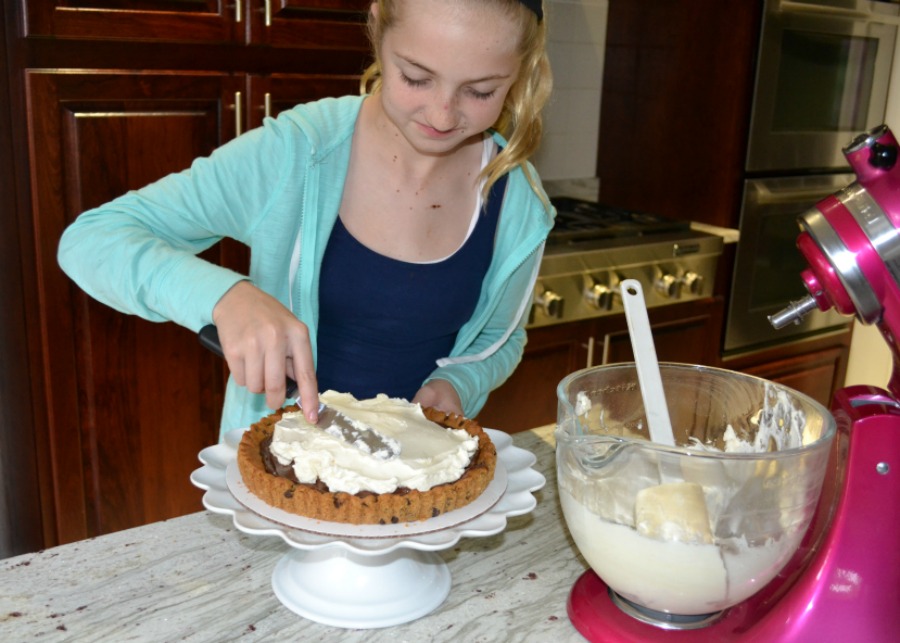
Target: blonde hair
column 520, row 120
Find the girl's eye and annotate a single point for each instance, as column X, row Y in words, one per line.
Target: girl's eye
column 412, row 82
column 482, row 95
column 474, row 93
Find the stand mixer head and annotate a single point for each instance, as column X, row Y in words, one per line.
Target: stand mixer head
column 852, row 245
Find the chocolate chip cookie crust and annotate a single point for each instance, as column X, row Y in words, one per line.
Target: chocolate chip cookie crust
column 403, row 505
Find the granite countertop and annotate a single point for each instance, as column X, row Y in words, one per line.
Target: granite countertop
column 198, row 578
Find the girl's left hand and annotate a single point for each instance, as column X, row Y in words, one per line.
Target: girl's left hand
column 441, row 395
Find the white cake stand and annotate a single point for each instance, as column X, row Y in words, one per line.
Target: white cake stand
column 366, row 576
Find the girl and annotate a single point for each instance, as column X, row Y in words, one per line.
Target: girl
column 395, row 236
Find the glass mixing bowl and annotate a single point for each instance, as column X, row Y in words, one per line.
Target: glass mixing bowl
column 698, row 527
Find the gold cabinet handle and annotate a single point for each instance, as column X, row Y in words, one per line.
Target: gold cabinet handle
column 267, row 105
column 238, row 114
column 268, row 13
column 238, row 10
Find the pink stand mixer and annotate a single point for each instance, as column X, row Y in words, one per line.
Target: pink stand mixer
column 843, row 583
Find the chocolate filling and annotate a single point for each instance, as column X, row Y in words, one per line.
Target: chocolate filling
column 271, row 463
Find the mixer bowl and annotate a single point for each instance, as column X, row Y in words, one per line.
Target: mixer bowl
column 698, row 527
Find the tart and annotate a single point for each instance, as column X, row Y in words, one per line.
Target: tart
column 271, row 480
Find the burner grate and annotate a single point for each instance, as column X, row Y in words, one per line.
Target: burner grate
column 579, row 220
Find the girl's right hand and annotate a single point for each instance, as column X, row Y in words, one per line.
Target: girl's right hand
column 264, row 343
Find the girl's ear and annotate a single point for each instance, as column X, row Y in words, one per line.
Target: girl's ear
column 373, row 8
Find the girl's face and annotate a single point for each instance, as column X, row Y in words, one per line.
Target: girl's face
column 446, row 70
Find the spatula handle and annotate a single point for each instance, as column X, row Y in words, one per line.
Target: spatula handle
column 209, row 337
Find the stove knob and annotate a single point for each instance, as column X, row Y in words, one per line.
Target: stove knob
column 692, row 282
column 550, row 303
column 666, row 285
column 600, row 296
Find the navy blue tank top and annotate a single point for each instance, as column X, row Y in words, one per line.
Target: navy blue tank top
column 383, row 322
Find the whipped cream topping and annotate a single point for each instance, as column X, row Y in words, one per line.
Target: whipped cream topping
column 429, row 454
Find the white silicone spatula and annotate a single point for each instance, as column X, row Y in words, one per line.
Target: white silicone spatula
column 647, row 365
column 675, row 509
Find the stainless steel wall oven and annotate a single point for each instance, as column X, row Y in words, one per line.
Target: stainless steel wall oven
column 767, row 260
column 822, row 77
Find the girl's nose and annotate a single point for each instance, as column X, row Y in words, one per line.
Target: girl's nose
column 444, row 115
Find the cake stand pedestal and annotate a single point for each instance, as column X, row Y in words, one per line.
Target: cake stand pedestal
column 361, row 591
column 366, row 576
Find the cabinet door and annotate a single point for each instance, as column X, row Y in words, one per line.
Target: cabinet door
column 676, row 92
column 528, row 398
column 818, row 374
column 269, row 95
column 128, row 404
column 689, row 334
column 816, row 365
column 170, row 20
column 311, row 24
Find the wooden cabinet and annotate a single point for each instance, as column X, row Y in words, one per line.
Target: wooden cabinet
column 281, row 23
column 130, row 403
column 103, row 100
column 269, row 94
column 168, row 20
column 326, row 24
column 814, row 366
column 677, row 89
column 528, row 398
column 688, row 333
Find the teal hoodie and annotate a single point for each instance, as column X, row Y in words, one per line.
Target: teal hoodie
column 277, row 189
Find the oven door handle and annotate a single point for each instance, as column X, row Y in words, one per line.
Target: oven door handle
column 790, row 6
column 763, row 196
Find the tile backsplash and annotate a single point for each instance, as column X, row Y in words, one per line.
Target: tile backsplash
column 576, row 46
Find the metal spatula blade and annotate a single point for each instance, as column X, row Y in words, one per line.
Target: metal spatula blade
column 365, row 439
column 330, row 420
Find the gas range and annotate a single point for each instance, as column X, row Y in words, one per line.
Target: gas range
column 593, row 247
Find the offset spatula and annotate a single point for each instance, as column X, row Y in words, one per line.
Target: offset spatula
column 330, row 420
column 209, row 337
